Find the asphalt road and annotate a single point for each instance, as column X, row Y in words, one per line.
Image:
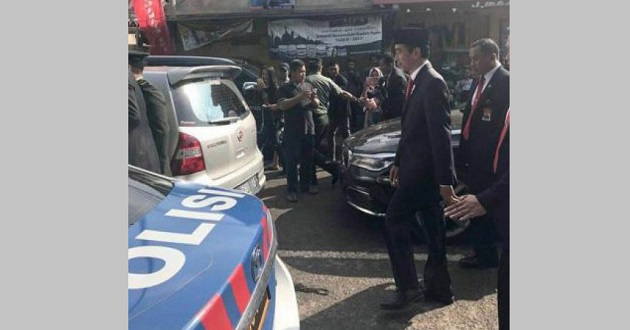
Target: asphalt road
column 341, row 270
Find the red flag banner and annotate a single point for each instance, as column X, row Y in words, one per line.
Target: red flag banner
column 152, row 22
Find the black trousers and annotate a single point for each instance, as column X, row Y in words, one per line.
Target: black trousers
column 483, row 237
column 319, row 148
column 503, row 287
column 407, row 205
column 341, row 124
column 298, row 151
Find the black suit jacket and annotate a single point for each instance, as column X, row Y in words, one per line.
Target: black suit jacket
column 477, row 153
column 162, row 122
column 393, row 98
column 141, row 147
column 496, row 198
column 424, row 154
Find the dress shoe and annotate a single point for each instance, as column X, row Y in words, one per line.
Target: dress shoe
column 292, row 197
column 473, row 263
column 403, row 299
column 313, row 190
column 443, row 300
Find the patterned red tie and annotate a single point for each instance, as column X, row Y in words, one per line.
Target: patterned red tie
column 501, row 137
column 478, row 92
column 408, row 88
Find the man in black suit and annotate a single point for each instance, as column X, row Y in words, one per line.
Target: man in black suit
column 393, row 84
column 141, row 146
column 495, row 201
column 338, row 112
column 482, row 122
column 423, row 173
column 162, row 121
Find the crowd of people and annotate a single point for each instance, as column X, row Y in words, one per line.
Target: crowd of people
column 316, row 108
column 307, row 111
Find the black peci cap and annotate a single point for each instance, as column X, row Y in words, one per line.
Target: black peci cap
column 417, row 37
column 137, row 43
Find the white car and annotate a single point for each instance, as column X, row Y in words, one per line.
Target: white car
column 217, row 131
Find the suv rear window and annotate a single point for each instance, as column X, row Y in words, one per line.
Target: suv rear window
column 200, row 102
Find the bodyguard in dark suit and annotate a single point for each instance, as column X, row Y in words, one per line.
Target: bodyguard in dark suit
column 162, row 120
column 495, row 201
column 141, row 147
column 393, row 84
column 423, row 173
column 141, row 150
column 482, row 122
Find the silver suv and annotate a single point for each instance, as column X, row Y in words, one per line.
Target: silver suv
column 217, row 131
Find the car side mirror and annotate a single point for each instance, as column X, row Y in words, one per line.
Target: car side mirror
column 248, row 85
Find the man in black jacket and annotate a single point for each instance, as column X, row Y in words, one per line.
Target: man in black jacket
column 393, row 83
column 141, row 146
column 495, row 201
column 482, row 122
column 161, row 120
column 424, row 175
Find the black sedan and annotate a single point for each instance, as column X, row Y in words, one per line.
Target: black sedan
column 367, row 157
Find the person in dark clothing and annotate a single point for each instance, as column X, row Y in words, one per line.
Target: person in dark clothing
column 141, row 149
column 325, row 89
column 423, row 174
column 162, row 121
column 271, row 147
column 297, row 101
column 393, row 85
column 338, row 112
column 355, row 87
column 482, row 122
column 495, row 201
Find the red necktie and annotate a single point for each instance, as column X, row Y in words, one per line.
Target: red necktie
column 408, row 89
column 501, row 137
column 478, row 91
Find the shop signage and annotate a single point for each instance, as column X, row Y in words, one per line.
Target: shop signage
column 346, row 36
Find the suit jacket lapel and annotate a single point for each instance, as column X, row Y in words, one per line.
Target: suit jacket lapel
column 489, row 87
column 416, row 84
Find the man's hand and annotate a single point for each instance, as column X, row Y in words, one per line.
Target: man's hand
column 448, row 194
column 393, row 176
column 467, row 207
column 370, row 104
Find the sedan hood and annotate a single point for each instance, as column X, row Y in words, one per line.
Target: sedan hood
column 184, row 251
column 382, row 137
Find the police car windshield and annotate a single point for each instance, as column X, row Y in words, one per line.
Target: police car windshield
column 145, row 192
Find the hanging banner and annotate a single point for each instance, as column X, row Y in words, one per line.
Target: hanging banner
column 198, row 35
column 152, row 22
column 302, row 38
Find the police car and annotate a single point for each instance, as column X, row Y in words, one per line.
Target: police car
column 203, row 257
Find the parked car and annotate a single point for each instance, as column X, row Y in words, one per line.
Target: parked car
column 217, row 131
column 249, row 73
column 367, row 156
column 203, row 257
column 245, row 80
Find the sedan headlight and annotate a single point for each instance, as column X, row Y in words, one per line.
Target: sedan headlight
column 372, row 162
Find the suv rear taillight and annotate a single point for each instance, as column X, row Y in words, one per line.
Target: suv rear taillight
column 188, row 158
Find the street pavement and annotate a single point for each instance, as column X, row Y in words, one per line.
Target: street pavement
column 341, row 270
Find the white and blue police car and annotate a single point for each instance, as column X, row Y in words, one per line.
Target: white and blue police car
column 203, row 257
